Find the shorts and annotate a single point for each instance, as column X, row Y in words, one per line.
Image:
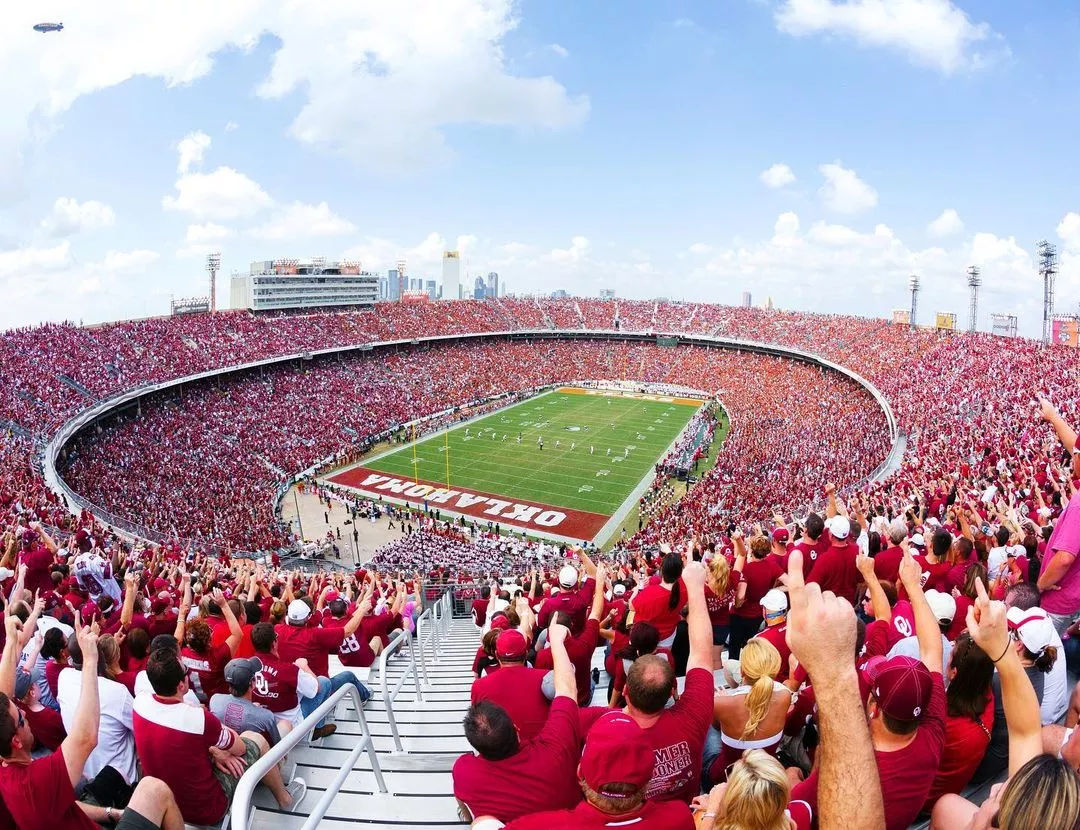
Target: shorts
column 719, row 635
column 131, row 820
column 252, row 753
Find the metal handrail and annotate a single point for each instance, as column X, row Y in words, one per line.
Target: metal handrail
column 245, row 789
column 402, row 638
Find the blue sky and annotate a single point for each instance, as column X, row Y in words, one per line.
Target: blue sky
column 576, row 145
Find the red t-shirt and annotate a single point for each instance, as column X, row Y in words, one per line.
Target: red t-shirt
column 777, row 635
column 678, row 739
column 479, row 611
column 221, row 634
column 40, row 797
column 965, row 743
column 580, row 651
column 760, row 576
column 517, row 689
column 541, row 775
column 654, row 815
column 959, row 622
column 52, row 675
column 47, row 726
column 652, row 605
column 275, row 685
column 569, row 601
column 173, row 741
column 354, row 650
column 810, row 551
column 162, row 625
column 836, row 571
column 906, row 774
column 720, row 607
column 206, row 672
column 887, row 564
column 313, row 644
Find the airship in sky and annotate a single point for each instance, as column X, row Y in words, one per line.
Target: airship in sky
column 48, row 27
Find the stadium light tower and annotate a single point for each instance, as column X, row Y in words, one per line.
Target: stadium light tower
column 974, row 281
column 913, row 285
column 213, row 264
column 1048, row 269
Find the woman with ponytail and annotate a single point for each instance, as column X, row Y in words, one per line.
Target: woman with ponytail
column 751, row 716
column 720, row 587
column 662, row 603
column 757, row 796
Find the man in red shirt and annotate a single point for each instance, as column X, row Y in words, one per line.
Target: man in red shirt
column 281, row 686
column 835, row 569
column 617, row 766
column 507, row 779
column 676, row 734
column 190, row 750
column 297, row 640
column 580, row 648
column 480, row 607
column 887, row 563
column 515, row 687
column 568, row 600
column 39, row 794
column 813, row 543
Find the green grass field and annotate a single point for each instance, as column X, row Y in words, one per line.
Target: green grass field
column 559, row 476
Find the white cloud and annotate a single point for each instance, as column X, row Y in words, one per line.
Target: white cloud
column 561, row 51
column 223, row 194
column 579, row 247
column 69, row 217
column 931, row 33
column 948, row 224
column 1068, row 230
column 777, row 176
column 300, row 221
column 380, row 81
column 700, row 248
column 844, row 191
column 230, row 126
column 191, row 149
column 203, row 239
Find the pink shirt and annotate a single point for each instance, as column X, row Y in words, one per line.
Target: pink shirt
column 1066, row 537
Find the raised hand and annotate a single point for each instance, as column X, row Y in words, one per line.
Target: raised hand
column 821, row 627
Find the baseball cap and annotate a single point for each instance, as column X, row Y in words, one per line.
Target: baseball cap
column 901, row 686
column 943, row 605
column 500, row 621
column 780, row 534
column 298, row 611
column 918, row 540
column 89, row 610
column 23, row 682
column 774, row 601
column 511, row 645
column 616, row 752
column 1032, row 627
column 840, row 527
column 618, row 589
column 568, row 576
column 1015, row 550
column 332, row 595
column 240, row 672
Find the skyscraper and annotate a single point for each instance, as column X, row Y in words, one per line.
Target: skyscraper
column 493, row 285
column 432, row 291
column 479, row 288
column 451, row 275
column 746, row 299
column 393, row 284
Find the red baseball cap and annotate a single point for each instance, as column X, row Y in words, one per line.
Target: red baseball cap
column 780, row 534
column 500, row 621
column 511, row 645
column 616, row 752
column 901, row 687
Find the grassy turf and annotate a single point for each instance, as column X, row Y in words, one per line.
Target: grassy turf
column 562, row 477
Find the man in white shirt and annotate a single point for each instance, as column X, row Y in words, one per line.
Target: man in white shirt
column 116, row 738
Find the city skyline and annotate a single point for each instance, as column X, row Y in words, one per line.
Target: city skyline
column 818, row 152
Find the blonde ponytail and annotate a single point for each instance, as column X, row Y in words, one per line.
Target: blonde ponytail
column 760, row 663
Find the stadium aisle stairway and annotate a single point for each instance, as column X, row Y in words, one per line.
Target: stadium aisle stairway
column 419, row 782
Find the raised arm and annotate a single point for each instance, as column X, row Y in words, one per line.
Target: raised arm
column 131, row 587
column 565, row 678
column 1065, row 433
column 83, row 736
column 236, row 633
column 697, row 618
column 878, row 600
column 185, row 608
column 927, row 628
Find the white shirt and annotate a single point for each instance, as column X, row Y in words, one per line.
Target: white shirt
column 995, row 560
column 116, row 740
column 143, row 687
column 94, row 574
column 1055, row 687
column 307, row 686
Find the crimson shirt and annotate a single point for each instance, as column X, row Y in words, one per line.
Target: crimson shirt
column 887, row 564
column 206, row 672
column 517, row 689
column 652, row 605
column 569, row 601
column 678, row 739
column 654, row 815
column 777, row 635
column 836, row 571
column 313, row 644
column 760, row 576
column 720, row 607
column 541, row 775
column 275, row 686
column 580, row 651
column 40, row 797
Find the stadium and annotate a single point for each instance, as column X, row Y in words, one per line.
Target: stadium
column 491, row 530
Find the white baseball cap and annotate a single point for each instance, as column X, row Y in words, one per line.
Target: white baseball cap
column 918, row 541
column 840, row 527
column 568, row 576
column 1033, row 627
column 775, row 600
column 298, row 611
column 943, row 605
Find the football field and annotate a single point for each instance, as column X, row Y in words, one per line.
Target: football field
column 597, row 448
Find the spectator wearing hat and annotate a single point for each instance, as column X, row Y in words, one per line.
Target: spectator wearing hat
column 1055, row 698
column 508, row 778
column 1059, row 578
column 943, row 607
column 580, row 648
column 778, row 541
column 189, row 749
column 617, row 766
column 835, row 569
column 237, row 710
column 568, row 600
column 907, row 714
column 516, row 687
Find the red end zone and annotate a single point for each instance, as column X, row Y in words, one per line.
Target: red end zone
column 562, row 521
